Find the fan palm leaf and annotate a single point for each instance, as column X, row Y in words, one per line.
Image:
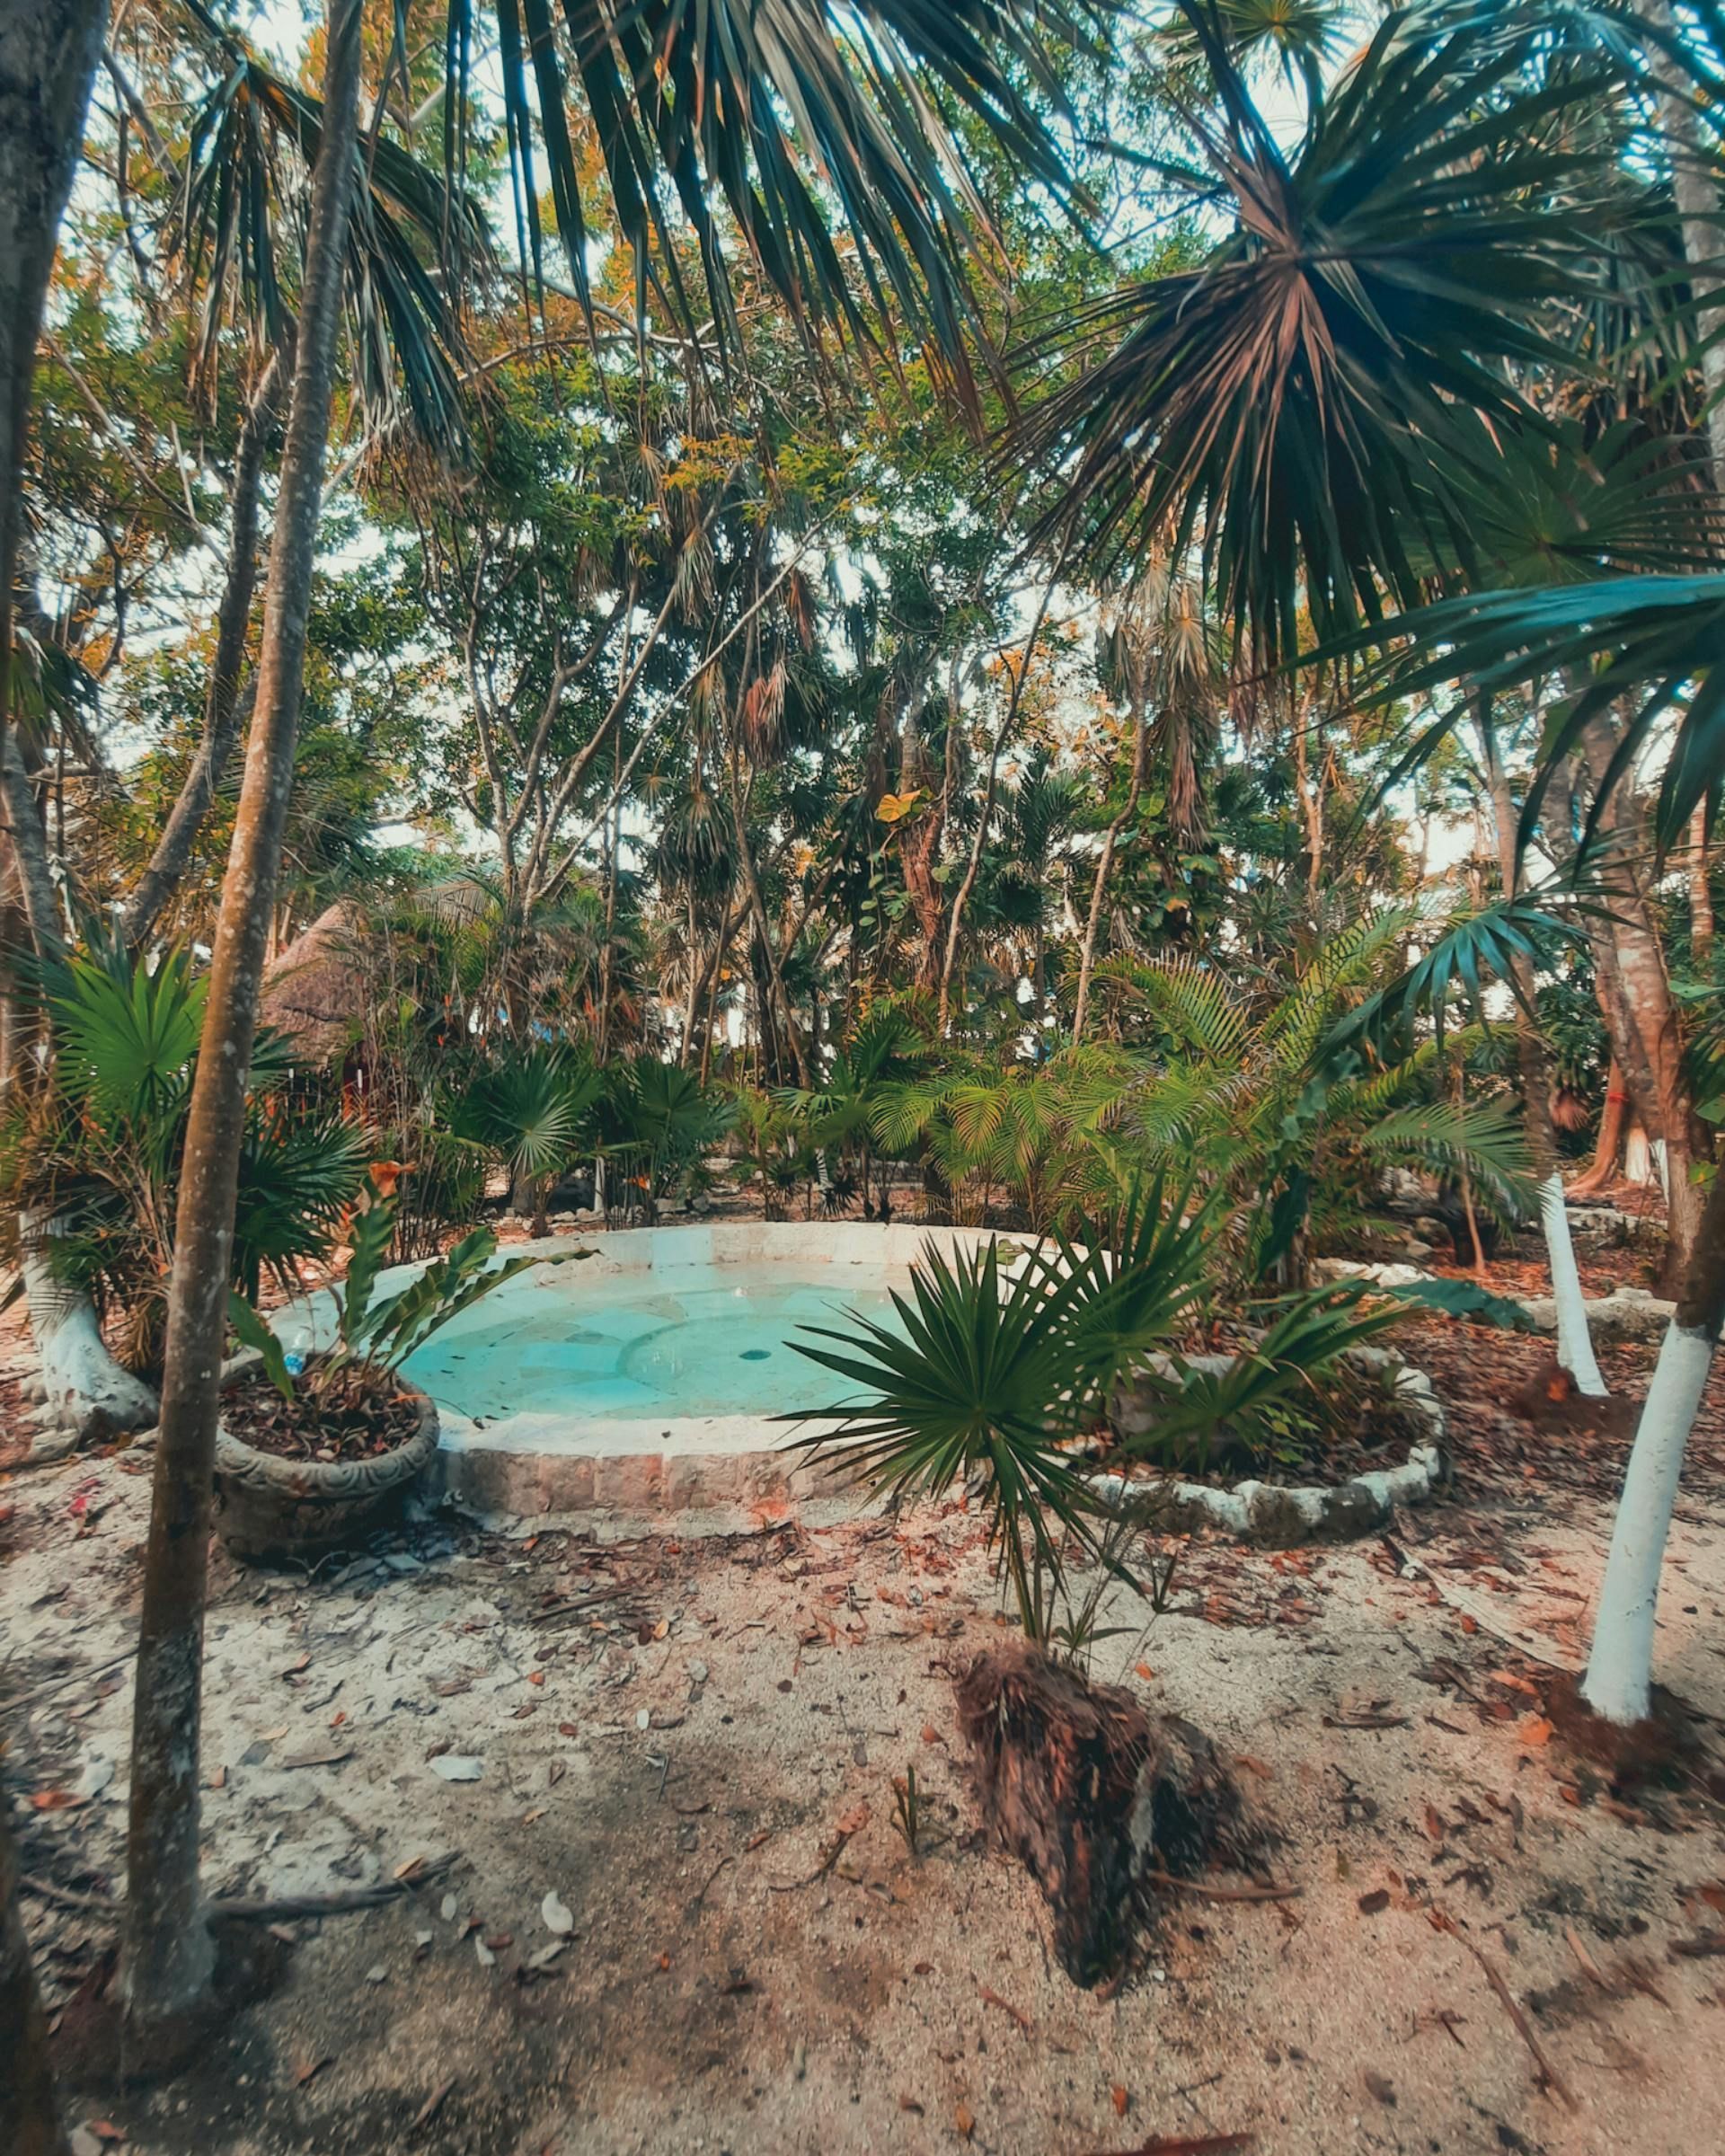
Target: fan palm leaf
column 1291, row 399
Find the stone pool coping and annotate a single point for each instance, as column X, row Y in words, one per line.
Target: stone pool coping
column 545, row 1465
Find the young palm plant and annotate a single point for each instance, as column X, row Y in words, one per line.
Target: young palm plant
column 997, row 1370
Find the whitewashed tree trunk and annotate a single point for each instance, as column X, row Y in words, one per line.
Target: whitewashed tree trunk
column 1574, row 1342
column 85, row 1393
column 1621, row 1664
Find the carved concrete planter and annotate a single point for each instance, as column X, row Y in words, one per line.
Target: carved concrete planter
column 269, row 1507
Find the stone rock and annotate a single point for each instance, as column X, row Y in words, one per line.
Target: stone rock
column 1631, row 1313
column 458, row 1766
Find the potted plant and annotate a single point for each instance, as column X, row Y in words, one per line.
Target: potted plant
column 315, row 1453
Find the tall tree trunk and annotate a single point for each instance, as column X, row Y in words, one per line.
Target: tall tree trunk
column 1620, row 1665
column 1003, row 735
column 1696, row 191
column 1609, row 1142
column 1701, row 895
column 223, row 712
column 167, row 1954
column 780, row 996
column 1574, row 1342
column 1104, row 866
column 47, row 60
column 1649, row 1040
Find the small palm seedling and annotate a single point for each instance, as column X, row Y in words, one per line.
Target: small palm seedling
column 908, row 1811
column 992, row 1376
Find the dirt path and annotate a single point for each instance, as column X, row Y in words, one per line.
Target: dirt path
column 692, row 1747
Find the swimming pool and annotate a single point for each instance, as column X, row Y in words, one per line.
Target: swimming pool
column 650, row 1346
column 654, row 1375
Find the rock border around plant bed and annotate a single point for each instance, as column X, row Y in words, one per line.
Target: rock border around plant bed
column 1273, row 1515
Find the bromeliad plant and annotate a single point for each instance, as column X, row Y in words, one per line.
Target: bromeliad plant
column 999, row 1371
column 374, row 1334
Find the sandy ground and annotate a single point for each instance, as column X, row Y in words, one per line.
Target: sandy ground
column 691, row 1744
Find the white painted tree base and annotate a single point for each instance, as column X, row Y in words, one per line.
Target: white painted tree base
column 1620, row 1667
column 1574, row 1342
column 85, row 1393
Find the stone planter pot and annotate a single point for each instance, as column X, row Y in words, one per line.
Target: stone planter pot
column 269, row 1507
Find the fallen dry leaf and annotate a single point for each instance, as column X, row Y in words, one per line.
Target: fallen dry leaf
column 1120, row 2101
column 964, row 2122
column 1382, row 2089
column 1374, row 1903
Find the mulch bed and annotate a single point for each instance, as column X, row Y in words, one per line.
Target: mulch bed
column 359, row 1414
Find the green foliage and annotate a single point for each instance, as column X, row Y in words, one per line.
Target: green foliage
column 99, row 1149
column 532, row 1112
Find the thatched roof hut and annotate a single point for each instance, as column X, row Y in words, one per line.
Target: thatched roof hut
column 316, row 989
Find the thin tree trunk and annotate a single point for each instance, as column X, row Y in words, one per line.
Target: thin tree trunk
column 1696, row 191
column 780, row 996
column 697, row 977
column 1701, row 895
column 48, row 61
column 1574, row 1343
column 1104, row 865
column 1620, row 1665
column 1004, row 733
column 1609, row 1142
column 1651, row 1047
column 167, row 1956
column 224, row 711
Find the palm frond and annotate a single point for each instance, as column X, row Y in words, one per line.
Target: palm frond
column 1290, row 399
column 795, row 114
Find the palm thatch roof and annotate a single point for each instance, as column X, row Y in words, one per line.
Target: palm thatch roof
column 315, row 990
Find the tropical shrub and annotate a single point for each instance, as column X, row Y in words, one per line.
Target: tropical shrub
column 98, row 1148
column 997, row 1372
column 374, row 1334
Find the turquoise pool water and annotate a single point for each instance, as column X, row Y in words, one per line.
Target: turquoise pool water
column 647, row 1346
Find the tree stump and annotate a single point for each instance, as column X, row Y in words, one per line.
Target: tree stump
column 1091, row 1795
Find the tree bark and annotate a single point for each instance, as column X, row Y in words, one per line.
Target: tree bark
column 1701, row 895
column 1648, row 1042
column 167, row 1954
column 1609, row 1142
column 1620, row 1665
column 1696, row 192
column 778, row 994
column 48, row 61
column 224, row 709
column 29, row 2116
column 1104, row 865
column 86, row 1395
